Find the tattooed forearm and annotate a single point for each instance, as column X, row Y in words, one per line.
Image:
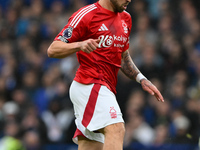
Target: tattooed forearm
column 128, row 67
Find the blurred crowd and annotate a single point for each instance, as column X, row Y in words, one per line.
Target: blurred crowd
column 35, row 109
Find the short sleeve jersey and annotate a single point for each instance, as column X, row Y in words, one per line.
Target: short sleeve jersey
column 113, row 30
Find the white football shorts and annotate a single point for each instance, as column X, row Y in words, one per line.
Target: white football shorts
column 95, row 107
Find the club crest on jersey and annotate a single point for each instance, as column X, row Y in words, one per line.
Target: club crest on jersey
column 113, row 112
column 67, row 33
column 124, row 26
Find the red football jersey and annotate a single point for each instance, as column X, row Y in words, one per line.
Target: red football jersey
column 113, row 30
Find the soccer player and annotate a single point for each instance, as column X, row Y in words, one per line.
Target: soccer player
column 99, row 34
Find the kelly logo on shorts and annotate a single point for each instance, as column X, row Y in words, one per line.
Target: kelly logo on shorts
column 113, row 112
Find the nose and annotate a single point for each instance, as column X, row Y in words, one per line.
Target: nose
column 129, row 1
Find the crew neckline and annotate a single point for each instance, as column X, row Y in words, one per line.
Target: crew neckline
column 109, row 11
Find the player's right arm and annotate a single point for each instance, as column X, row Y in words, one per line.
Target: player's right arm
column 60, row 49
column 70, row 39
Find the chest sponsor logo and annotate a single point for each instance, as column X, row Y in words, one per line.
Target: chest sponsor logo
column 108, row 40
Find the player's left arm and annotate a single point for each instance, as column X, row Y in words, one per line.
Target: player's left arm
column 130, row 70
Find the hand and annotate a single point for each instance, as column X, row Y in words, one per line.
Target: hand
column 89, row 45
column 151, row 89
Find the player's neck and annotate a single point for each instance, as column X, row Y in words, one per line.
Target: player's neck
column 106, row 4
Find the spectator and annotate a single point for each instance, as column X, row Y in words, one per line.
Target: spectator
column 57, row 121
column 31, row 140
column 11, row 139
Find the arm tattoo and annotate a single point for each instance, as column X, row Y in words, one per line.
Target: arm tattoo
column 128, row 67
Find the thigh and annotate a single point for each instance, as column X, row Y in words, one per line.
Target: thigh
column 86, row 144
column 117, row 128
column 114, row 136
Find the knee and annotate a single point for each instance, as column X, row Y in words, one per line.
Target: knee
column 117, row 129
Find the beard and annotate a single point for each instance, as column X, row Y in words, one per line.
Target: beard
column 116, row 6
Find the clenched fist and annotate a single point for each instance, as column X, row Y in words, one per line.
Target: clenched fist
column 89, row 45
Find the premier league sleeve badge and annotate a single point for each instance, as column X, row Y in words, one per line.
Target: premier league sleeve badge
column 67, row 33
